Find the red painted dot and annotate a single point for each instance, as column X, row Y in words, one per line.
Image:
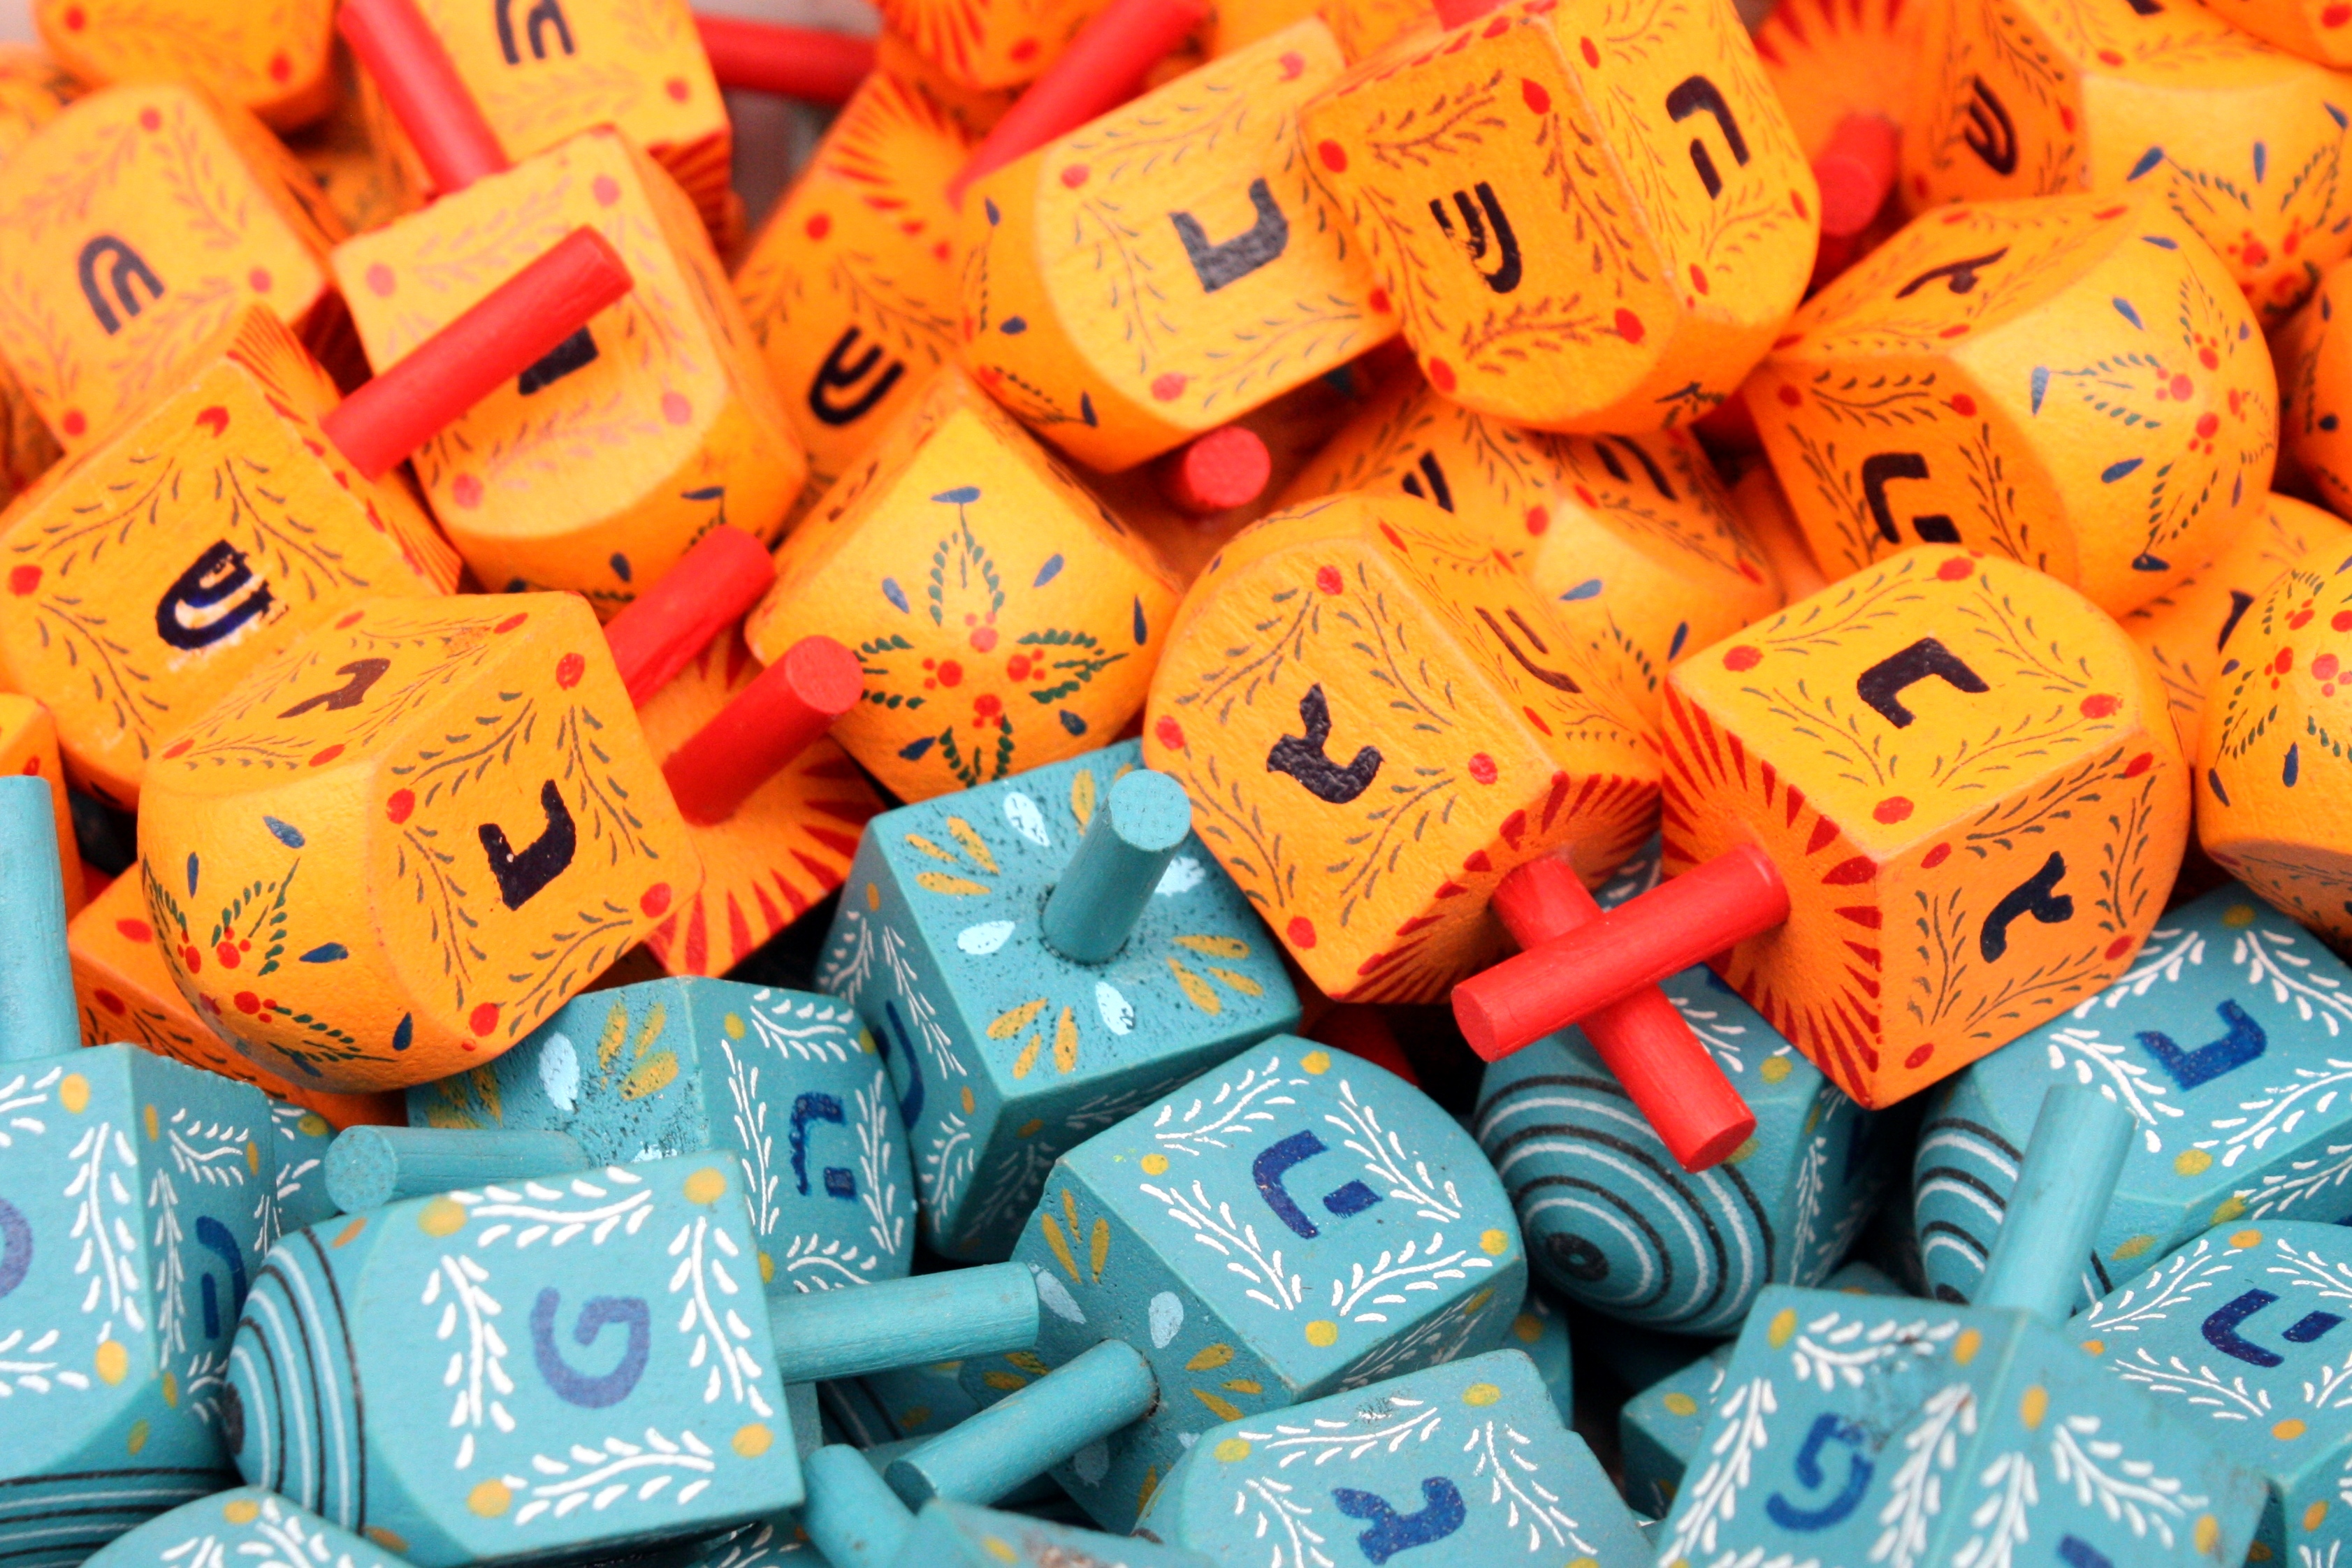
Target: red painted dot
column 150, row 120
column 399, row 804
column 656, row 902
column 1790, row 396
column 1334, row 156
column 1935, row 857
column 135, row 931
column 2121, row 945
column 1797, row 200
column 1894, row 808
column 381, row 280
column 22, row 580
column 484, row 1018
column 951, row 673
column 1169, row 733
column 109, row 1001
column 1300, row 932
column 191, row 958
column 347, row 622
column 1699, row 276
column 677, row 88
column 1918, row 1058
column 1293, row 66
column 75, row 20
column 1328, row 578
column 2341, row 620
column 2110, row 56
column 1026, row 49
column 1590, row 50
column 676, row 408
column 281, row 69
column 2181, row 388
column 819, row 224
column 177, row 749
column 1956, row 330
column 1954, row 570
column 2325, row 667
column 1964, row 405
column 2206, row 424
column 247, row 1002
column 2101, row 705
column 511, row 622
column 466, row 489
column 2336, row 15
column 1538, row 520
column 74, row 423
column 568, row 670
column 258, row 280
column 1590, row 501
column 1379, row 302
column 2285, row 662
column 1629, row 325
column 1742, row 657
column 322, row 758
column 1440, row 376
column 983, row 639
column 1482, row 767
column 1168, row 387
column 1532, row 94
column 2140, row 764
column 606, row 190
column 225, row 954
column 1077, row 175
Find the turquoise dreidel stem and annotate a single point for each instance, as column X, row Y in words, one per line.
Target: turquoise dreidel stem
column 985, row 1456
column 2071, row 1166
column 38, row 1018
column 1128, row 843
column 821, row 1335
column 851, row 1514
column 368, row 1167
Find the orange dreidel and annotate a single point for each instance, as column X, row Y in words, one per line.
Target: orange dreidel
column 1165, row 269
column 29, row 747
column 2316, row 29
column 991, row 45
column 216, row 526
column 655, row 422
column 1363, row 27
column 976, row 108
column 2315, row 375
column 1587, row 221
column 365, row 186
column 1911, row 817
column 1630, row 539
column 32, row 91
column 1845, row 70
column 2072, row 382
column 2052, row 96
column 276, row 60
column 1768, row 524
column 851, row 283
column 803, row 63
column 139, row 221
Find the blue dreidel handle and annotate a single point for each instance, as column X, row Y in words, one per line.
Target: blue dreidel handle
column 1128, row 841
column 2071, row 1166
column 368, row 1167
column 821, row 1335
column 851, row 1514
column 983, row 1457
column 38, row 1017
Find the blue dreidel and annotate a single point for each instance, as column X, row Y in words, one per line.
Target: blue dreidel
column 1039, row 956
column 1297, row 1222
column 2226, row 1041
column 1897, row 1431
column 133, row 1195
column 789, row 1080
column 959, row 1535
column 241, row 1526
column 1541, row 1333
column 1467, row 1460
column 2244, row 1328
column 564, row 1366
column 302, row 1139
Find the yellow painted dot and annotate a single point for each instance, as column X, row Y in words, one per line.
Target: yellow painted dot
column 490, row 1499
column 1154, row 1164
column 967, row 1101
column 1679, row 1403
column 767, row 1267
column 1316, row 1061
column 1477, row 1303
column 2258, row 1553
column 2245, row 1238
column 915, row 1418
column 1739, row 1155
column 1965, row 1348
column 241, row 1510
column 2034, row 1406
column 1784, row 1325
column 253, row 1157
column 1481, row 1393
column 2313, row 1516
column 1003, row 1381
column 1323, row 1332
column 752, row 1440
column 152, row 1130
column 314, row 1125
column 73, row 1093
column 1583, row 1563
column 138, row 1438
column 442, row 1217
column 171, row 1390
column 2288, row 1430
column 707, row 1185
column 2208, row 1533
column 2237, row 915
column 349, row 1234
column 1528, row 1327
column 999, row 1548
column 2227, row 1209
column 1774, row 1069
column 865, row 1043
column 2131, row 1247
column 2097, row 1347
column 1029, row 1128
column 873, row 897
column 113, row 1361
column 2192, row 1161
column 390, row 1540
column 733, row 1025
column 1232, row 1448
column 1492, row 1242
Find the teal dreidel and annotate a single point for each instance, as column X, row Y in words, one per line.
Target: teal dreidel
column 1295, row 1223
column 2229, row 1040
column 243, row 1526
column 303, row 1139
column 2244, row 1330
column 564, row 1366
column 1906, row 1433
column 133, row 1195
column 1464, row 1463
column 1541, row 1333
column 1039, row 956
column 959, row 1535
column 787, row 1080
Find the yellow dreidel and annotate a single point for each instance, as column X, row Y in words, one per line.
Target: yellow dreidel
column 2074, row 382
column 1587, row 221
column 1630, row 539
column 657, row 421
column 2052, row 96
column 276, row 60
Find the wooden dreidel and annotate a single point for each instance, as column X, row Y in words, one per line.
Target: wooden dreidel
column 1765, row 520
column 1002, row 617
column 2059, row 96
column 1469, row 1459
column 303, row 1139
column 600, row 467
column 2315, row 373
column 242, row 1524
column 1946, row 743
column 136, row 1191
column 1849, row 1423
column 141, row 220
column 1632, row 538
column 1036, row 958
column 2087, row 351
column 1355, row 1233
column 277, row 62
column 246, row 509
column 2220, row 1040
column 1378, row 719
column 1234, row 282
column 986, row 49
column 1594, row 255
column 788, row 1081
column 653, row 1356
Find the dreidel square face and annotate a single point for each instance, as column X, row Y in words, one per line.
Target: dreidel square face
column 1003, row 617
column 403, row 843
column 141, row 219
column 989, row 46
column 2224, row 1038
column 204, row 533
column 1295, row 1223
column 609, row 1339
column 276, row 60
column 2073, row 384
column 134, row 1193
column 2051, row 96
column 1966, row 778
column 1587, row 222
column 1170, row 266
column 1376, row 719
column 596, row 469
column 1005, row 1052
column 788, row 1081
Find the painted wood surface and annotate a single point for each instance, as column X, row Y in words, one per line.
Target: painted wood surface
column 1826, row 60
column 2314, row 374
column 958, row 1535
column 1360, row 27
column 989, row 43
column 244, row 1524
column 28, row 749
column 276, row 60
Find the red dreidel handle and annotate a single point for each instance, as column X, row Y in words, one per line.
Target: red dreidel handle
column 1217, row 472
column 1452, row 14
column 1671, row 1078
column 791, row 62
column 422, row 88
column 1855, row 171
column 1675, row 924
column 712, row 586
column 767, row 724
column 511, row 328
column 1103, row 68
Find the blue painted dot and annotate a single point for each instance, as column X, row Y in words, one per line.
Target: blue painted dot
column 192, row 874
column 2328, row 422
column 994, row 217
column 404, row 1033
column 1071, row 722
column 1014, row 326
column 707, row 492
column 1586, row 589
column 2213, row 780
column 2336, row 115
column 1087, row 409
column 2293, row 767
column 2040, row 385
column 2147, row 160
column 2262, row 161
column 1682, row 632
column 2114, row 472
column 2161, row 241
column 962, row 495
column 621, row 566
column 913, row 751
column 1048, row 572
column 1142, row 632
column 2231, row 664
column 286, row 833
column 328, row 952
column 895, row 593
column 2124, row 308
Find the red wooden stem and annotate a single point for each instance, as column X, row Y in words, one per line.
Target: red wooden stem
column 1855, row 171
column 1219, row 471
column 1452, row 14
column 758, row 735
column 422, row 88
column 791, row 62
column 511, row 328
column 1671, row 1078
column 1360, row 1031
column 713, row 585
column 1666, row 930
column 1103, row 68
